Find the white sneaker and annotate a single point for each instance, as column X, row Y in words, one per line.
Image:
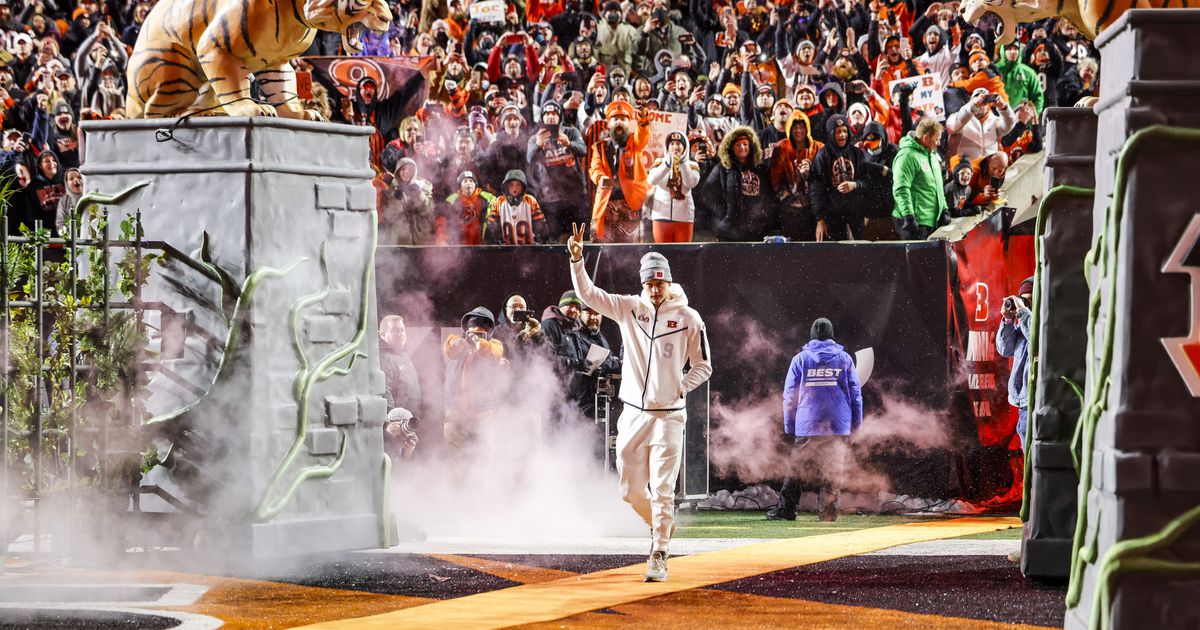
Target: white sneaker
column 656, row 567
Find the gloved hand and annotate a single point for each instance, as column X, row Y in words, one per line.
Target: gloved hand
column 909, row 222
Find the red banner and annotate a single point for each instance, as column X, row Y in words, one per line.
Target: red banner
column 991, row 266
column 391, row 74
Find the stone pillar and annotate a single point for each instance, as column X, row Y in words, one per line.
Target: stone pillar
column 276, row 198
column 1145, row 463
column 1061, row 344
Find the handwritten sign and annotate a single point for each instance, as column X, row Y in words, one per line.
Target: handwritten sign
column 662, row 123
column 488, row 11
column 926, row 96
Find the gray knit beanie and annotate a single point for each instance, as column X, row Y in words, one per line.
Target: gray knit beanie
column 655, row 267
column 822, row 329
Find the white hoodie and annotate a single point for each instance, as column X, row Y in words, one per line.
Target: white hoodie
column 658, row 343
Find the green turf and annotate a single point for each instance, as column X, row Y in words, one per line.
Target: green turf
column 752, row 524
column 1004, row 534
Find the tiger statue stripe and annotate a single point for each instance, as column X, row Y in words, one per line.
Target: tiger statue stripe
column 1089, row 16
column 195, row 56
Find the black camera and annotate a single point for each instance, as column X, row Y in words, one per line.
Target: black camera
column 522, row 316
column 997, row 182
column 991, row 98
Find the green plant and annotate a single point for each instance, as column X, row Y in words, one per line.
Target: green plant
column 74, row 373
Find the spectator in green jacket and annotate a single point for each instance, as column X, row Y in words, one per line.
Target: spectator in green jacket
column 1020, row 80
column 917, row 182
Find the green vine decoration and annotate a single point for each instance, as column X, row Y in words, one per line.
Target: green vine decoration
column 1125, row 555
column 1034, row 328
column 273, row 501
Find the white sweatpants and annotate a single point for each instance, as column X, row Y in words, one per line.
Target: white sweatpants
column 649, row 451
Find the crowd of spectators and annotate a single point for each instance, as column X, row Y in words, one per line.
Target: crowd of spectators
column 544, row 118
column 792, row 122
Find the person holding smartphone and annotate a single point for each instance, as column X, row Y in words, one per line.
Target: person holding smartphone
column 1012, row 340
column 976, row 130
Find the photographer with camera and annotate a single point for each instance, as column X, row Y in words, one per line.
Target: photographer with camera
column 400, row 434
column 1012, row 340
column 518, row 329
column 473, row 362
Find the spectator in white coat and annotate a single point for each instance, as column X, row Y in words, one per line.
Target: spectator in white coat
column 976, row 129
column 671, row 179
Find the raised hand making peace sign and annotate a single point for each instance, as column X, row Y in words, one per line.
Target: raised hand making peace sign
column 575, row 244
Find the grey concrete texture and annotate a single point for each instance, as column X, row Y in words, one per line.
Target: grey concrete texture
column 268, row 193
column 1062, row 346
column 1148, row 438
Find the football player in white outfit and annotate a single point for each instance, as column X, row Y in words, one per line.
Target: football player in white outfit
column 661, row 336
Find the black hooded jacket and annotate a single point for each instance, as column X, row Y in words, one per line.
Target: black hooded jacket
column 555, row 326
column 819, row 120
column 832, row 166
column 877, row 173
column 743, row 203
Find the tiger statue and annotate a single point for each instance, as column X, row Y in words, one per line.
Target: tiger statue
column 197, row 56
column 1089, row 16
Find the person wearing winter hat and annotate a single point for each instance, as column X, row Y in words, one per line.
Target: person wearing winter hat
column 660, row 334
column 473, row 362
column 836, row 184
column 508, row 151
column 555, row 153
column 958, row 189
column 462, row 218
column 618, row 170
column 671, row 179
column 406, row 216
column 515, row 217
column 1012, row 340
column 559, row 321
column 822, row 408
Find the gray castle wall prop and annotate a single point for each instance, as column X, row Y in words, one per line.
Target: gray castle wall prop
column 1066, row 230
column 286, row 212
column 1141, row 433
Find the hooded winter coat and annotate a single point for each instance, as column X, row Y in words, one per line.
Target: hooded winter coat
column 407, row 214
column 1020, row 81
column 555, row 326
column 558, row 171
column 470, row 386
column 745, row 206
column 516, row 220
column 819, row 120
column 1012, row 340
column 671, row 187
column 833, row 166
column 877, row 168
column 791, row 187
column 657, row 343
column 821, row 395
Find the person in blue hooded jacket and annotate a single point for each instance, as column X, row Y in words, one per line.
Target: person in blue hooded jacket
column 822, row 406
column 1012, row 340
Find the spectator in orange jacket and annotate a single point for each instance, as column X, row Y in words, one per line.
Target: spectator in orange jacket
column 982, row 76
column 618, row 170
